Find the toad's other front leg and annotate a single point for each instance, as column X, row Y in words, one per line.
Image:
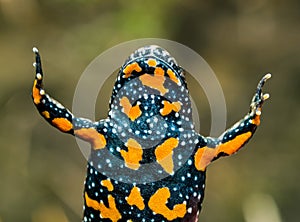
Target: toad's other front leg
column 59, row 116
column 235, row 137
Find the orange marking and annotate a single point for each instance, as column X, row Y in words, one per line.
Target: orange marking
column 107, row 183
column 46, row 114
column 169, row 107
column 133, row 112
column 124, row 102
column 62, row 124
column 111, row 212
column 154, row 82
column 151, row 62
column 256, row 120
column 203, row 157
column 36, row 93
column 164, row 154
column 235, row 144
column 159, row 72
column 172, row 76
column 135, row 198
column 157, row 204
column 134, row 154
column 91, row 135
column 130, row 68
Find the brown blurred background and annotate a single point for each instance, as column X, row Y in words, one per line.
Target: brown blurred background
column 42, row 170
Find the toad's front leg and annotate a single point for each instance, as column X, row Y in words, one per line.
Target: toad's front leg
column 235, row 137
column 59, row 116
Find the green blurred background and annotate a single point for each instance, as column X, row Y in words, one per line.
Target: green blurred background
column 42, row 170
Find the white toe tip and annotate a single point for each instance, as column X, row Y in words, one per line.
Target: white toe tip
column 268, row 76
column 266, row 96
column 35, row 50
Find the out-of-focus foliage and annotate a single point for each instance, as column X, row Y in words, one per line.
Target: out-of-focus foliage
column 42, row 171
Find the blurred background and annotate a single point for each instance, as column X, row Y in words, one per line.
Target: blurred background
column 42, row 170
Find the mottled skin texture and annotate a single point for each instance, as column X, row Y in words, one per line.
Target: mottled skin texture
column 149, row 124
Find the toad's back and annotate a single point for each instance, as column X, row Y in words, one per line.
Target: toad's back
column 147, row 162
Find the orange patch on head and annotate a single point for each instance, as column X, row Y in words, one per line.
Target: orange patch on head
column 46, row 114
column 157, row 203
column 135, row 198
column 107, row 183
column 36, row 93
column 152, row 62
column 169, row 107
column 172, row 76
column 91, row 135
column 130, row 68
column 164, row 154
column 125, row 103
column 159, row 72
column 134, row 154
column 62, row 124
column 154, row 82
column 234, row 145
column 176, row 106
column 110, row 212
column 203, row 157
column 133, row 112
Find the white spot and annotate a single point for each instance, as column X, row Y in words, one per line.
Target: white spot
column 39, row 76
